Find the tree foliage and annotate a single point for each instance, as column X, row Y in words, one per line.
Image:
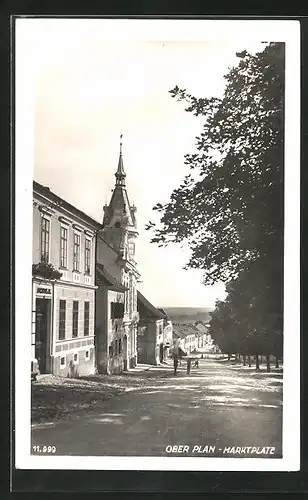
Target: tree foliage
column 230, row 205
column 245, row 323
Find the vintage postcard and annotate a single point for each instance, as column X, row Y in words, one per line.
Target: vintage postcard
column 157, row 182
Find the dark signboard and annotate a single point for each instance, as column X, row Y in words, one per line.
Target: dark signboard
column 43, row 291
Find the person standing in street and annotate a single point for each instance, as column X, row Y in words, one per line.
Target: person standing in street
column 175, row 362
column 188, row 365
column 175, row 356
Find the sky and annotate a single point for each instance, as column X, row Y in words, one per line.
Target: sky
column 89, row 89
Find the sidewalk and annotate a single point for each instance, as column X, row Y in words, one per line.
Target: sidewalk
column 140, row 367
column 56, row 397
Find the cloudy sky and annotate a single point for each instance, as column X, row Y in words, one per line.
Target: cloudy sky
column 90, row 86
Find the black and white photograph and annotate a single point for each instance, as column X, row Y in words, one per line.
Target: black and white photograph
column 157, row 183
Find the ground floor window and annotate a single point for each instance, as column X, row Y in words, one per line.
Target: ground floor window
column 75, row 318
column 86, row 318
column 62, row 318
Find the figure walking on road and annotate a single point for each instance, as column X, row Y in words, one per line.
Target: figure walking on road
column 175, row 355
column 175, row 362
column 188, row 365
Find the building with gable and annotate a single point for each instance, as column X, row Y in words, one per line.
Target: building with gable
column 63, row 286
column 167, row 344
column 111, row 342
column 151, row 329
column 116, row 253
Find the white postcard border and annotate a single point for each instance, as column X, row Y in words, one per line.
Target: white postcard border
column 27, row 41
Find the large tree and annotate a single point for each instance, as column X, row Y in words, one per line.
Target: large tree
column 229, row 207
column 245, row 323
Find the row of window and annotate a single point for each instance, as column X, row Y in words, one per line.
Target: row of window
column 45, row 244
column 75, row 359
column 75, row 322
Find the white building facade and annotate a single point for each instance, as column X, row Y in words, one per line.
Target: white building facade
column 63, row 286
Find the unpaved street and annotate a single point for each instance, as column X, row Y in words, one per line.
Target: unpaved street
column 217, row 406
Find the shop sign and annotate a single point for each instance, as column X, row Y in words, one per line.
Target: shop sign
column 43, row 291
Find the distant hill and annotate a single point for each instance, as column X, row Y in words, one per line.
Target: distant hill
column 188, row 315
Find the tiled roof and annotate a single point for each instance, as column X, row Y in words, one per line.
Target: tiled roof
column 183, row 330
column 156, row 312
column 105, row 278
column 163, row 312
column 60, row 202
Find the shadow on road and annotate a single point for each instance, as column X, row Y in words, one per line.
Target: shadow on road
column 141, row 413
column 54, row 398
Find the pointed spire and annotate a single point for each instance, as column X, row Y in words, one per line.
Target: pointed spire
column 120, row 174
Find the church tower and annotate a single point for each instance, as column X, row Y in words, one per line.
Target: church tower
column 119, row 230
column 119, row 222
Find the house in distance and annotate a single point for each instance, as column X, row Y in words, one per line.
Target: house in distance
column 151, row 328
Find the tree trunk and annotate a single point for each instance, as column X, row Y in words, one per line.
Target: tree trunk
column 249, row 361
column 244, row 359
column 268, row 363
column 276, row 361
column 257, row 362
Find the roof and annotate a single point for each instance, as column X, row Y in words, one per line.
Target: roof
column 119, row 201
column 182, row 330
column 45, row 191
column 202, row 328
column 152, row 309
column 177, row 334
column 103, row 277
column 166, row 315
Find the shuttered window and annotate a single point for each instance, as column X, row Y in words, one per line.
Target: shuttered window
column 62, row 319
column 75, row 318
column 86, row 318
